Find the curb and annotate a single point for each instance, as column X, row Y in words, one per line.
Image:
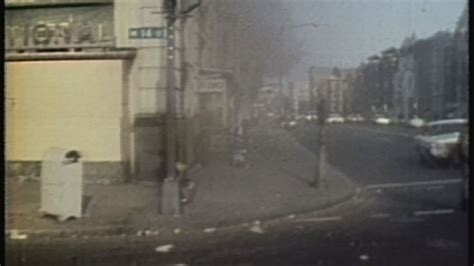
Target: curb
column 144, row 231
column 125, row 230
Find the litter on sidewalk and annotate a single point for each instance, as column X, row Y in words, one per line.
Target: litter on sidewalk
column 257, row 228
column 210, row 230
column 15, row 235
column 164, row 248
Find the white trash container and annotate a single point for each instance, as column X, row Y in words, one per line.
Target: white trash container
column 61, row 184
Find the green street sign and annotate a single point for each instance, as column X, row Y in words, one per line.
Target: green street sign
column 147, row 33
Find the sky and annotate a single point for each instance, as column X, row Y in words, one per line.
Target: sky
column 352, row 30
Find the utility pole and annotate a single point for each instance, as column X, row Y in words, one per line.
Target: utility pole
column 291, row 96
column 170, row 191
column 321, row 145
column 311, row 88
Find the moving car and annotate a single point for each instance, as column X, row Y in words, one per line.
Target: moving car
column 334, row 118
column 355, row 118
column 416, row 122
column 381, row 120
column 437, row 141
column 289, row 122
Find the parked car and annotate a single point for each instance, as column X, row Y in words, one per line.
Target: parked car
column 416, row 122
column 292, row 124
column 355, row 118
column 381, row 120
column 359, row 118
column 289, row 123
column 309, row 117
column 351, row 118
column 437, row 141
column 334, row 118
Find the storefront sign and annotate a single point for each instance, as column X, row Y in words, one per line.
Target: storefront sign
column 54, row 28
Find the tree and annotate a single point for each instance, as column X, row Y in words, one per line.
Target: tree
column 255, row 39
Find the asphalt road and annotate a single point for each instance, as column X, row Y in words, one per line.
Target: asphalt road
column 404, row 214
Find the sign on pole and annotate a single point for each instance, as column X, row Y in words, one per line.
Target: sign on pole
column 147, row 33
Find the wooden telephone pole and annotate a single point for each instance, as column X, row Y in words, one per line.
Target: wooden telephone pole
column 170, row 189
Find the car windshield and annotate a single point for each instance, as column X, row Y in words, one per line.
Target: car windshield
column 445, row 129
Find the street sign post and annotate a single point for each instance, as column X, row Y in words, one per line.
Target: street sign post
column 170, row 190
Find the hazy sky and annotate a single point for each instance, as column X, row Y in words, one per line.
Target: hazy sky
column 352, row 30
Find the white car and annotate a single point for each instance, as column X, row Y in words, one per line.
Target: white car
column 416, row 122
column 382, row 120
column 355, row 118
column 334, row 118
column 438, row 141
column 289, row 124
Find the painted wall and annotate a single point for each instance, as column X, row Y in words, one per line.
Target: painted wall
column 70, row 104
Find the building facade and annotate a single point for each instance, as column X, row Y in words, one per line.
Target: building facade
column 432, row 80
column 67, row 85
column 403, row 83
column 333, row 92
column 461, row 55
column 90, row 75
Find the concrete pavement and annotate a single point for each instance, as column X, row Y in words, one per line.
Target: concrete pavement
column 382, row 226
column 276, row 184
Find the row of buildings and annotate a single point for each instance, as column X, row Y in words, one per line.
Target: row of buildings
column 332, row 84
column 424, row 77
column 91, row 75
column 427, row 78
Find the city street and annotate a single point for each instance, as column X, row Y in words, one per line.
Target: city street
column 403, row 214
column 225, row 132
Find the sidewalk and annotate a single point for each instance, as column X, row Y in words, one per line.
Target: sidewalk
column 276, row 184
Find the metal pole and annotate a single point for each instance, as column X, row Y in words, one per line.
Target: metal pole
column 321, row 158
column 311, row 88
column 170, row 194
column 183, row 82
column 291, row 96
column 321, row 144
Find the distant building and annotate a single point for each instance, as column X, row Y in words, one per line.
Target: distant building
column 333, row 92
column 461, row 55
column 403, row 82
column 432, row 58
